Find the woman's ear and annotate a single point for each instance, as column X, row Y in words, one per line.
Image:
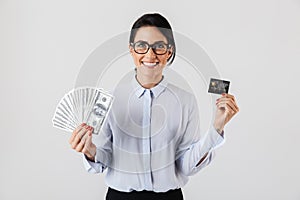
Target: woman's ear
column 170, row 52
column 130, row 49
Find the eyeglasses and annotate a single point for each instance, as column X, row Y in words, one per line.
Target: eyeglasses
column 142, row 47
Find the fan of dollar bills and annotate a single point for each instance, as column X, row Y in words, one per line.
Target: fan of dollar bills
column 82, row 105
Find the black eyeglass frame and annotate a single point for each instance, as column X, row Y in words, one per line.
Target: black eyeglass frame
column 132, row 44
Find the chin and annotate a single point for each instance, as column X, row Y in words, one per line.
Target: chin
column 152, row 72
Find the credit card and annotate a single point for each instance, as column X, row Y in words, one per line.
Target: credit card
column 218, row 86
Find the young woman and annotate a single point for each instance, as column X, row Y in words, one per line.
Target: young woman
column 150, row 142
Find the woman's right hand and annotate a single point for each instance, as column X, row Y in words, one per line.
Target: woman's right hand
column 81, row 141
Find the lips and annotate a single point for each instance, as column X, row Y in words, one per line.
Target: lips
column 150, row 64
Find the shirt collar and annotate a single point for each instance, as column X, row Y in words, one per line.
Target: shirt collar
column 156, row 90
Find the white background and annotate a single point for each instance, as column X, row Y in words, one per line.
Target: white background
column 255, row 44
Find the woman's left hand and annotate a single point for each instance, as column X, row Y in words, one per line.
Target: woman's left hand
column 226, row 109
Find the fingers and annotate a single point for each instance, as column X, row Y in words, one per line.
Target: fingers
column 225, row 95
column 89, row 139
column 228, row 106
column 228, row 102
column 79, row 137
column 88, row 144
column 75, row 132
column 83, row 141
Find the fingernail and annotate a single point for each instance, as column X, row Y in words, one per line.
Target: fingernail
column 223, row 94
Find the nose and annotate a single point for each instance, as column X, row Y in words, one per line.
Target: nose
column 150, row 53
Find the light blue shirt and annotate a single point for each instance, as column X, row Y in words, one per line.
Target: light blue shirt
column 151, row 138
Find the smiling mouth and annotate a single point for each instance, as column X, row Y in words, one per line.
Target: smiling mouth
column 150, row 64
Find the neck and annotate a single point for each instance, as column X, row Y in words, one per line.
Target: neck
column 148, row 82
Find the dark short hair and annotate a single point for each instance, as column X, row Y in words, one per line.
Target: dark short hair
column 158, row 21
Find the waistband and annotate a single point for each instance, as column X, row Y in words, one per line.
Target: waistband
column 175, row 194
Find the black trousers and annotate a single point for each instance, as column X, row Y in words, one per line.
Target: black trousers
column 144, row 195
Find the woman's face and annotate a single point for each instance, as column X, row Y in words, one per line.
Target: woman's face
column 150, row 64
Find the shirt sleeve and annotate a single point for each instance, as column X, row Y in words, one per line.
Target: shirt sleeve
column 93, row 167
column 103, row 153
column 193, row 148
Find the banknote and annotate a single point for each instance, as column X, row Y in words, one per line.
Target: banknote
column 88, row 105
column 99, row 111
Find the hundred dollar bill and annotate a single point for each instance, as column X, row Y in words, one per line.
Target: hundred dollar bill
column 99, row 110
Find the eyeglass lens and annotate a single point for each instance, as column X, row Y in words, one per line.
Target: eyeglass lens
column 142, row 47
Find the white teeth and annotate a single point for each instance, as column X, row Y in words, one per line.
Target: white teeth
column 148, row 64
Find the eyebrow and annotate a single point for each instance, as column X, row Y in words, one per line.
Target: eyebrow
column 148, row 42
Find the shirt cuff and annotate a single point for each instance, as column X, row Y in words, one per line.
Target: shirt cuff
column 212, row 140
column 216, row 138
column 92, row 167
